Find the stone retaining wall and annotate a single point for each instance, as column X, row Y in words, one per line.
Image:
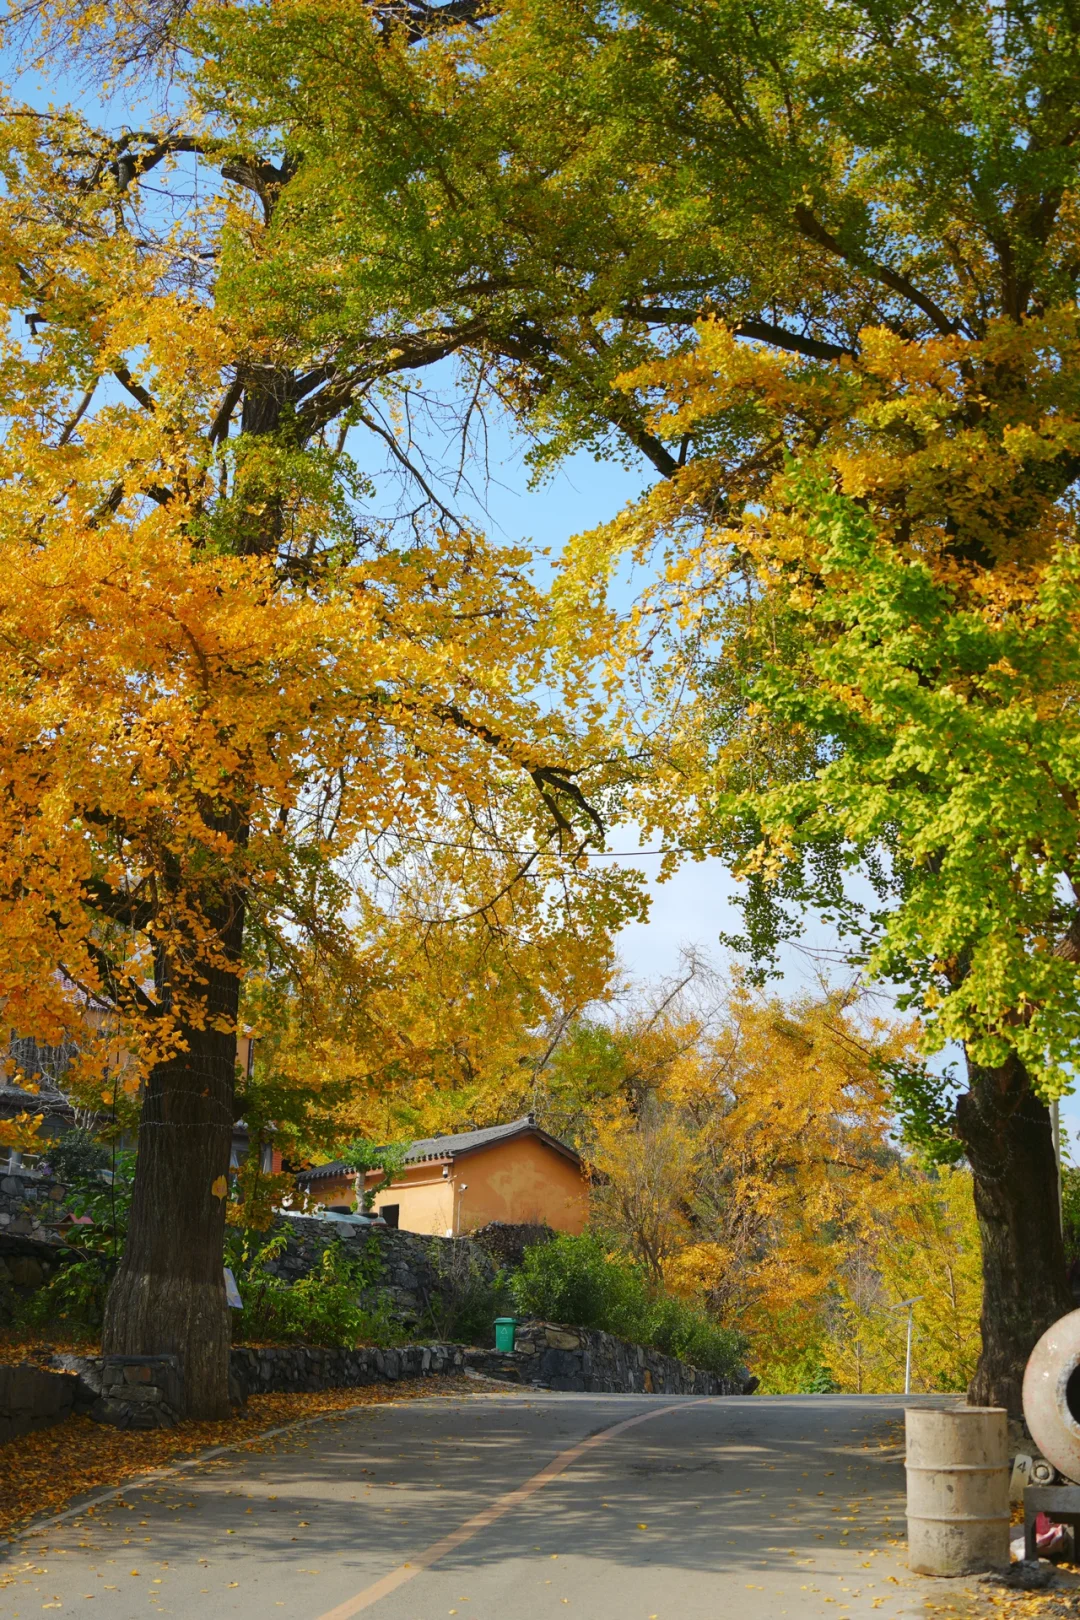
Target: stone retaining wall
column 30, row 1205
column 31, row 1242
column 415, row 1271
column 27, row 1263
column 145, row 1392
column 278, row 1368
column 33, row 1398
column 140, row 1392
column 507, row 1241
column 548, row 1356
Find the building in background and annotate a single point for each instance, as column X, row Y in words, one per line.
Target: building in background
column 454, row 1184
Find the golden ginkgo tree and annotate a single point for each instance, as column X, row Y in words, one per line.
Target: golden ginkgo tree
column 218, row 678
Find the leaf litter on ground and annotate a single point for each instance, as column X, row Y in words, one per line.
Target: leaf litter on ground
column 42, row 1472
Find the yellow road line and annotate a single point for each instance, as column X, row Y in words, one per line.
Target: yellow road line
column 480, row 1521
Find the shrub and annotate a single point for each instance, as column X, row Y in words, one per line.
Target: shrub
column 576, row 1280
column 324, row 1307
column 468, row 1299
column 579, row 1281
column 681, row 1329
column 77, row 1158
column 71, row 1303
column 1070, row 1211
column 75, row 1295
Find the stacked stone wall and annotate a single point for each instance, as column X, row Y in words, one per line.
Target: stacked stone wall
column 414, row 1271
column 31, row 1240
column 277, row 1368
column 30, row 1205
column 33, row 1398
column 507, row 1241
column 143, row 1392
column 549, row 1356
column 146, row 1392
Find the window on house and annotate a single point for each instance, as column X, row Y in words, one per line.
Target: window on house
column 390, row 1213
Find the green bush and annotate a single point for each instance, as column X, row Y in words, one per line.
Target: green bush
column 1070, row 1211
column 468, row 1298
column 578, row 1281
column 98, row 1184
column 77, row 1158
column 71, row 1304
column 687, row 1332
column 322, row 1307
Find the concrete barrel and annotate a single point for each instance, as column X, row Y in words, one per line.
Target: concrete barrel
column 957, row 1489
column 1052, row 1395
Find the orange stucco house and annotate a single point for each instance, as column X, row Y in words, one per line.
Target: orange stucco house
column 453, row 1184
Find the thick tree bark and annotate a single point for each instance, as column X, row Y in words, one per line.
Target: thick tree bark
column 169, row 1292
column 168, row 1295
column 1007, row 1137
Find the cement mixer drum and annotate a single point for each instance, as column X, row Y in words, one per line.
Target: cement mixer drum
column 1052, row 1395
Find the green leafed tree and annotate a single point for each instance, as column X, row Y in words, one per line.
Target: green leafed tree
column 363, row 1156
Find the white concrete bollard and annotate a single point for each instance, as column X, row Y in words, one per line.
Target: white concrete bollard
column 957, row 1489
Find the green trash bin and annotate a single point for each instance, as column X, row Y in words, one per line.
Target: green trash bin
column 505, row 1328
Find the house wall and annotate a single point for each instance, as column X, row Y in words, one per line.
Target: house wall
column 519, row 1181
column 425, row 1198
column 335, row 1189
column 522, row 1180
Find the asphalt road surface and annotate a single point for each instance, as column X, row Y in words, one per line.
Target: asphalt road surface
column 510, row 1506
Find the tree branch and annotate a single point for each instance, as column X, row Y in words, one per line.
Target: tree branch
column 414, row 472
column 122, row 908
column 219, row 427
column 765, row 331
column 135, row 389
column 80, row 411
column 813, row 228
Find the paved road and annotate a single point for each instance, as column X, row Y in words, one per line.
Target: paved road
column 698, row 1510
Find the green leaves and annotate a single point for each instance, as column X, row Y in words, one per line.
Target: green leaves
column 364, row 1156
column 950, row 737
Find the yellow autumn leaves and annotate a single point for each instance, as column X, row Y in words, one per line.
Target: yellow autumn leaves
column 752, row 1165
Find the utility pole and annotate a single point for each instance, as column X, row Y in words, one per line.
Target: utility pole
column 908, row 1305
column 1055, row 1130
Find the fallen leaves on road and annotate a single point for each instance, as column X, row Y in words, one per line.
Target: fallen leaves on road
column 1060, row 1602
column 41, row 1472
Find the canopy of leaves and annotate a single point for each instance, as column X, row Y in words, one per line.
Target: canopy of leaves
column 749, row 1166
column 223, row 687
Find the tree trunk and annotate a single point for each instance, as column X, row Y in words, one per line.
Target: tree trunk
column 168, row 1295
column 1007, row 1137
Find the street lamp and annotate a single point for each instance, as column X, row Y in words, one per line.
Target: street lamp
column 909, row 1306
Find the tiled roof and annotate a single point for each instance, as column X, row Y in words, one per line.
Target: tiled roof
column 14, row 1101
column 450, row 1147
